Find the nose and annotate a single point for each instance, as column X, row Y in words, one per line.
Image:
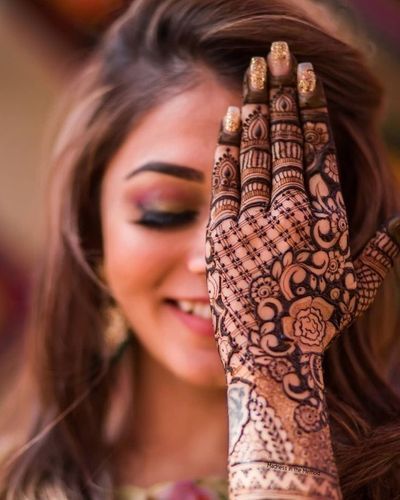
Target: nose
column 196, row 256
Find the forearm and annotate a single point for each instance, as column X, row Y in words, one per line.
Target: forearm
column 270, row 454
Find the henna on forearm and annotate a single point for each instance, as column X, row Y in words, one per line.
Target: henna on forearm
column 279, row 444
column 282, row 281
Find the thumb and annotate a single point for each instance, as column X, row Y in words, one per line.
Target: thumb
column 375, row 261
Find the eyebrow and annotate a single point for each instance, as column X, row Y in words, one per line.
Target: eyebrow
column 188, row 173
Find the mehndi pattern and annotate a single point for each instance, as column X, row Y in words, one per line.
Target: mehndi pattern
column 283, row 284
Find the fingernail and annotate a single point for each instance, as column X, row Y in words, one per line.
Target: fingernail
column 231, row 121
column 279, row 59
column 257, row 74
column 306, row 79
column 393, row 228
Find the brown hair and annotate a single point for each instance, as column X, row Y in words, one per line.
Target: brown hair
column 153, row 51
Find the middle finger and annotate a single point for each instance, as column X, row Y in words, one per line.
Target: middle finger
column 286, row 132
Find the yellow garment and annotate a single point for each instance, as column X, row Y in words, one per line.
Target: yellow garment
column 207, row 488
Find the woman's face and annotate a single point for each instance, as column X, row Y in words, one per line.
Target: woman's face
column 154, row 209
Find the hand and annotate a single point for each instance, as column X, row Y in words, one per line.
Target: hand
column 281, row 278
column 280, row 273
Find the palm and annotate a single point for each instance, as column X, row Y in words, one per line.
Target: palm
column 280, row 272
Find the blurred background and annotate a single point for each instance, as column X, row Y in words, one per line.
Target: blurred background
column 42, row 45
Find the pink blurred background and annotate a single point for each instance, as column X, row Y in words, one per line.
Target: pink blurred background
column 42, row 44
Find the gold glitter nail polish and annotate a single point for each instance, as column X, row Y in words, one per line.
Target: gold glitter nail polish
column 257, row 73
column 279, row 60
column 280, row 51
column 231, row 121
column 306, row 79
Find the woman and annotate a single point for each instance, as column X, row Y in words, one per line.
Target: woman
column 144, row 234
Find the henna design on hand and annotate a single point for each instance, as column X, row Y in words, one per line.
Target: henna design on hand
column 283, row 284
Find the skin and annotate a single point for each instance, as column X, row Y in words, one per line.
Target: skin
column 177, row 369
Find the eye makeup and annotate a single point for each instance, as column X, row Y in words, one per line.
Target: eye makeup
column 163, row 207
column 158, row 219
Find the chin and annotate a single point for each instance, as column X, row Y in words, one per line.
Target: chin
column 194, row 365
column 199, row 378
column 198, row 367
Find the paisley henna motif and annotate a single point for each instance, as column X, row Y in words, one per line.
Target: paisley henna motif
column 282, row 286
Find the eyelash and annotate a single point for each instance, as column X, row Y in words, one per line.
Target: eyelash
column 159, row 220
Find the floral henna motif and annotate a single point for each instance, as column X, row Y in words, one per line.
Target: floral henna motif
column 308, row 323
column 282, row 285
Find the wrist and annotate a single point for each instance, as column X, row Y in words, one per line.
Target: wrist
column 267, row 442
column 297, row 373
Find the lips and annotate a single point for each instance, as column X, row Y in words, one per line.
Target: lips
column 194, row 314
column 196, row 308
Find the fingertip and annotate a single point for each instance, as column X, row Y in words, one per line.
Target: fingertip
column 279, row 59
column 255, row 81
column 281, row 64
column 309, row 87
column 231, row 127
column 306, row 78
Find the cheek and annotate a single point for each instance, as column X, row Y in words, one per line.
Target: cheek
column 135, row 259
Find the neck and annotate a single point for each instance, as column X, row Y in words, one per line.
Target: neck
column 169, row 410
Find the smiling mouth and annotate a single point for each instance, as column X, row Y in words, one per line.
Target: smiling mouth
column 193, row 307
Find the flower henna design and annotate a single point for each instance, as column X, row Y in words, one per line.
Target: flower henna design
column 308, row 323
column 336, row 266
column 278, row 368
column 262, row 288
column 309, row 418
column 282, row 282
column 330, row 167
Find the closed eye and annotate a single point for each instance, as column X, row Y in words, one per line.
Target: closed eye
column 164, row 220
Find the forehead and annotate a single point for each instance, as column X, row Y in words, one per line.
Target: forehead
column 181, row 130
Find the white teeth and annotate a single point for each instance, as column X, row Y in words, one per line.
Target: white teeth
column 186, row 306
column 202, row 310
column 197, row 308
